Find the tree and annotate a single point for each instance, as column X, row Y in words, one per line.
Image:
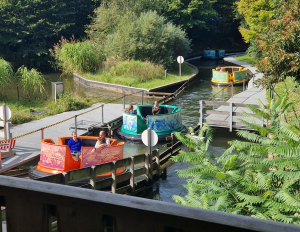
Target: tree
column 30, row 27
column 190, row 14
column 148, row 37
column 256, row 15
column 111, row 12
column 280, row 46
column 258, row 177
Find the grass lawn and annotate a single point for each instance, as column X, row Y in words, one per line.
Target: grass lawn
column 246, row 58
column 24, row 110
column 133, row 81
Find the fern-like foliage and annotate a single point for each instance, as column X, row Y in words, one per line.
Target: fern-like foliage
column 258, row 177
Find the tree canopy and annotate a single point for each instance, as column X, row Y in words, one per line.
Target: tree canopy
column 30, row 27
column 256, row 16
column 280, row 46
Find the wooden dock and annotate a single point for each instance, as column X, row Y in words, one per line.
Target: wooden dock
column 225, row 114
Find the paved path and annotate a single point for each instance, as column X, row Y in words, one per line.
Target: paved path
column 30, row 145
column 249, row 96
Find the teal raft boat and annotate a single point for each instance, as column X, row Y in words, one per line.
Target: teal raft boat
column 165, row 123
column 213, row 54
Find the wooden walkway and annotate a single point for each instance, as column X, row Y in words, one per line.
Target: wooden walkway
column 226, row 115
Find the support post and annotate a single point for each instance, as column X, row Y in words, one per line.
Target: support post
column 102, row 114
column 201, row 114
column 158, row 169
column 180, row 71
column 76, row 124
column 93, row 177
column 42, row 133
column 113, row 176
column 230, row 116
column 132, row 173
column 223, row 95
column 4, row 121
column 147, row 167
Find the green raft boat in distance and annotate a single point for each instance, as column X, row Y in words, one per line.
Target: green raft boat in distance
column 165, row 123
column 213, row 54
column 229, row 74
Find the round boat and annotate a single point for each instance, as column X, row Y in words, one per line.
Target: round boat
column 57, row 158
column 213, row 54
column 165, row 123
column 229, row 74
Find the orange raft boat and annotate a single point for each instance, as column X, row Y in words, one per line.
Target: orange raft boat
column 57, row 158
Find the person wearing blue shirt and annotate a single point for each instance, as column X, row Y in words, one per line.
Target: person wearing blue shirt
column 74, row 143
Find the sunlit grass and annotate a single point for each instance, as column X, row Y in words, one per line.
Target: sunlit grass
column 246, row 58
column 140, row 74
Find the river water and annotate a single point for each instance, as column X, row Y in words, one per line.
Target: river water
column 188, row 101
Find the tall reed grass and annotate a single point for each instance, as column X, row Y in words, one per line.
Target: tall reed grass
column 31, row 82
column 71, row 56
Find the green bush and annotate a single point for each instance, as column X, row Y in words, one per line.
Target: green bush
column 77, row 57
column 66, row 102
column 6, row 72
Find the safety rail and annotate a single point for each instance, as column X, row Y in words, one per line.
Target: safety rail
column 73, row 117
column 167, row 98
column 227, row 112
column 37, row 206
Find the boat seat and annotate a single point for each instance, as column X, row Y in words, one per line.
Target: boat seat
column 146, row 110
column 229, row 70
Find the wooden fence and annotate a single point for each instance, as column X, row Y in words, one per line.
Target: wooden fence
column 215, row 118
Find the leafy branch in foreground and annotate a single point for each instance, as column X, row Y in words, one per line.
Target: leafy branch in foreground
column 258, row 177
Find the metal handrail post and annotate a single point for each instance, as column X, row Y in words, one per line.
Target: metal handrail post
column 124, row 101
column 76, row 124
column 42, row 133
column 223, row 97
column 102, row 114
column 230, row 116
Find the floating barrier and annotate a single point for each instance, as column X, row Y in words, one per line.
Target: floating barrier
column 213, row 54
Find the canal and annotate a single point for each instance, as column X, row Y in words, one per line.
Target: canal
column 188, row 101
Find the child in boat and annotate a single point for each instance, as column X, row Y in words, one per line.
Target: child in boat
column 129, row 110
column 101, row 142
column 218, row 68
